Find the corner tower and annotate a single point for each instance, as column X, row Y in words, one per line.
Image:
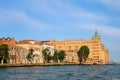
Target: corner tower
column 99, row 53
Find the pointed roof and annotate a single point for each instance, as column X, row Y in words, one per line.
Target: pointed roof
column 96, row 34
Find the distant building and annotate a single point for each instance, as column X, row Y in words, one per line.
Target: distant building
column 98, row 53
column 19, row 50
column 36, row 46
column 9, row 41
column 17, row 54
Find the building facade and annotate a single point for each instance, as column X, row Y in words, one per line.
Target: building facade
column 17, row 54
column 19, row 50
column 98, row 53
column 36, row 46
column 9, row 41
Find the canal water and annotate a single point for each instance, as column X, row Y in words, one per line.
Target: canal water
column 82, row 72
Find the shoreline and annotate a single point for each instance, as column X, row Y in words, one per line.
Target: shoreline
column 39, row 64
column 46, row 64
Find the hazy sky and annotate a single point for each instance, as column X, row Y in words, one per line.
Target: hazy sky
column 62, row 19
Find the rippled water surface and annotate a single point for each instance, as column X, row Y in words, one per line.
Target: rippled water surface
column 90, row 72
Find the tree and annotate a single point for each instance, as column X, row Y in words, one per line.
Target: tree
column 45, row 52
column 55, row 56
column 83, row 53
column 47, row 55
column 4, row 55
column 58, row 55
column 30, row 55
column 61, row 55
column 80, row 56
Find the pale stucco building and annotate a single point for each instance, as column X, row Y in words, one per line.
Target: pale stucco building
column 36, row 46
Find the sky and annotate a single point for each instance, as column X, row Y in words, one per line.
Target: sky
column 62, row 19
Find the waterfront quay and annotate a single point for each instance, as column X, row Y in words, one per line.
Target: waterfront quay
column 46, row 64
column 39, row 64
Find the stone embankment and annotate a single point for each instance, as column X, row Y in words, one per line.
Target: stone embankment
column 30, row 65
column 46, row 64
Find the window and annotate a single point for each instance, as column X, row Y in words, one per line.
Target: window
column 76, row 47
column 69, row 47
column 59, row 46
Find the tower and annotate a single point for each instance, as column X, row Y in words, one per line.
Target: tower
column 96, row 35
column 96, row 48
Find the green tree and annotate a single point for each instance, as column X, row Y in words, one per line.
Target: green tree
column 30, row 55
column 58, row 55
column 83, row 53
column 45, row 52
column 80, row 56
column 61, row 55
column 4, row 55
column 47, row 55
column 55, row 56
